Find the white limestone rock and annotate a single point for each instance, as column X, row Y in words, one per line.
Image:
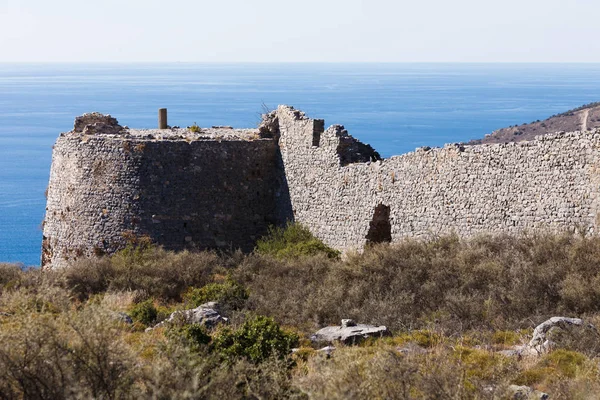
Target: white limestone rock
column 541, row 342
column 526, row 393
column 206, row 315
column 349, row 332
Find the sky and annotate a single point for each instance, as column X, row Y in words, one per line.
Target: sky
column 299, row 31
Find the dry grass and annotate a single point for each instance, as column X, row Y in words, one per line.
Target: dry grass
column 488, row 283
column 119, row 301
column 153, row 271
column 460, row 300
column 446, row 371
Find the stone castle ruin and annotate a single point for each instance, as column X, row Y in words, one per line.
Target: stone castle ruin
column 222, row 187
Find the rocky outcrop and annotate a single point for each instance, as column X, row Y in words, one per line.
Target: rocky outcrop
column 205, row 315
column 526, row 393
column 552, row 333
column 349, row 332
column 543, row 340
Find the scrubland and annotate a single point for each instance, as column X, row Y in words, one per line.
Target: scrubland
column 451, row 304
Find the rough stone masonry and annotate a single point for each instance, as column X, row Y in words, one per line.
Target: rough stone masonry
column 222, row 187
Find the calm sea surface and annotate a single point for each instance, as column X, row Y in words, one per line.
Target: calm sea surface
column 394, row 107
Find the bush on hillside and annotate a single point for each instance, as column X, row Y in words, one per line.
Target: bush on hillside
column 293, row 241
column 503, row 282
column 500, row 282
column 154, row 271
column 461, row 299
column 256, row 340
column 10, row 275
column 72, row 355
column 193, row 335
column 144, row 312
column 230, row 295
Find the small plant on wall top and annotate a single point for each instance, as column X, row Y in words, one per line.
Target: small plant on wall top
column 194, row 128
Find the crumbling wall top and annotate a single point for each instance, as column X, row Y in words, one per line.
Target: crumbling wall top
column 351, row 150
column 108, row 127
column 269, row 125
column 96, row 123
column 292, row 112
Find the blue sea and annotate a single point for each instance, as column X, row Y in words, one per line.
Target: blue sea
column 394, row 107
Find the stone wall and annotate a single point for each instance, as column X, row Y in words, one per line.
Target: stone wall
column 550, row 184
column 222, row 188
column 194, row 194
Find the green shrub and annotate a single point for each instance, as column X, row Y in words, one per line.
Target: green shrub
column 293, row 241
column 256, row 340
column 194, row 335
column 197, row 334
column 144, row 312
column 230, row 295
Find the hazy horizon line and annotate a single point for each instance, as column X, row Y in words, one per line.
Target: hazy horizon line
column 311, row 62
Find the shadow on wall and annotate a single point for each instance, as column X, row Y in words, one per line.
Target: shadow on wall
column 284, row 212
column 210, row 195
column 380, row 228
column 269, row 128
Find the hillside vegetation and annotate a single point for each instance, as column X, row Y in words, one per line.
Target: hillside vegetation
column 451, row 305
column 582, row 118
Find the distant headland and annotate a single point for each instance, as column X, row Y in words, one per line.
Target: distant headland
column 586, row 117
